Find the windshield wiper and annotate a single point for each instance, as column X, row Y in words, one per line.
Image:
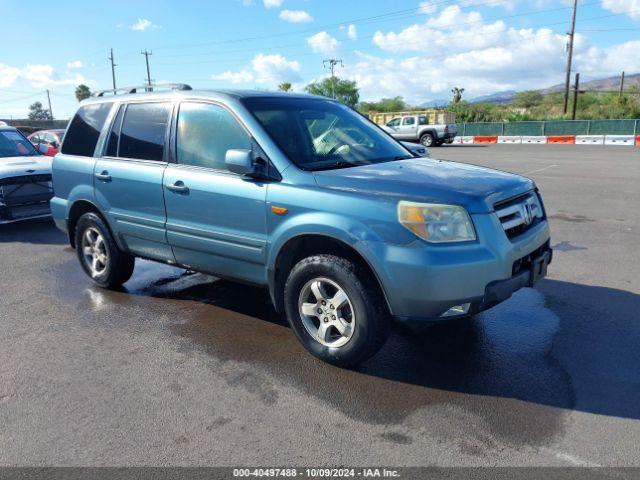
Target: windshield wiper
column 337, row 164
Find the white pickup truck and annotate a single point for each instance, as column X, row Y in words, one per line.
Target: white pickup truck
column 416, row 128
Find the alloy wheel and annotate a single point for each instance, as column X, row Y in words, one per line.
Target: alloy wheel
column 327, row 313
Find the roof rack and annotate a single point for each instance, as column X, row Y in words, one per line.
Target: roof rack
column 144, row 88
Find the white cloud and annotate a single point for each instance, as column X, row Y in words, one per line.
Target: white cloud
column 427, row 8
column 75, row 64
column 630, row 7
column 243, row 76
column 8, row 75
column 481, row 57
column 273, row 3
column 275, row 68
column 45, row 75
column 506, row 4
column 267, row 70
column 352, row 32
column 295, row 16
column 451, row 29
column 323, row 43
column 143, row 24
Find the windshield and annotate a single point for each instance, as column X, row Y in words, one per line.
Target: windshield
column 14, row 144
column 320, row 134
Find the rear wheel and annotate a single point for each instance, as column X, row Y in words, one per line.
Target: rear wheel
column 99, row 255
column 426, row 139
column 335, row 310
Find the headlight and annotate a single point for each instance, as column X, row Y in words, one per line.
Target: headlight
column 436, row 223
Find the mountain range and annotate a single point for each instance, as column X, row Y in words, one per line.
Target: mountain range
column 507, row 96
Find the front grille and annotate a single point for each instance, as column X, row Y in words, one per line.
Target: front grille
column 519, row 214
column 43, row 177
column 26, row 190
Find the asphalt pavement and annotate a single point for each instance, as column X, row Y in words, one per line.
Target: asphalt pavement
column 183, row 369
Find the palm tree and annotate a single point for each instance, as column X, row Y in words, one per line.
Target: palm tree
column 285, row 87
column 82, row 92
column 457, row 94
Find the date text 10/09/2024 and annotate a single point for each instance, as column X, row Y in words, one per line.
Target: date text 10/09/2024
column 316, row 472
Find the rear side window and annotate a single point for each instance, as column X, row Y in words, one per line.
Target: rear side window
column 84, row 130
column 143, row 131
column 409, row 121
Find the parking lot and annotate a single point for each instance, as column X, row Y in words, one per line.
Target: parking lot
column 183, row 369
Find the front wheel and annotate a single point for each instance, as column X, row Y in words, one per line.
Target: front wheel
column 335, row 310
column 426, row 139
column 99, row 255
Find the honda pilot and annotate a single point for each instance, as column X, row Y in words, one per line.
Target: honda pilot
column 299, row 194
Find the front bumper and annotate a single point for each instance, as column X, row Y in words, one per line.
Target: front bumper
column 423, row 281
column 17, row 213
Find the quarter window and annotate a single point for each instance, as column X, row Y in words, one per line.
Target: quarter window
column 205, row 133
column 143, row 131
column 84, row 130
column 114, row 135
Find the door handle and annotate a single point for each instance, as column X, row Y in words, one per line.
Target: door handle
column 178, row 187
column 103, row 176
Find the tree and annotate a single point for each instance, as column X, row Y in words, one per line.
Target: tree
column 395, row 104
column 36, row 112
column 285, row 87
column 457, row 94
column 528, row 99
column 346, row 90
column 82, row 92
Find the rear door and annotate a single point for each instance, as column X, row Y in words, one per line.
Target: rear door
column 128, row 178
column 407, row 129
column 216, row 219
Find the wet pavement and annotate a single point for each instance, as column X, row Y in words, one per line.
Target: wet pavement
column 180, row 368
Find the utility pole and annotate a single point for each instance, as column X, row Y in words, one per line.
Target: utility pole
column 576, row 91
column 570, row 55
column 332, row 64
column 146, row 57
column 621, row 85
column 49, row 100
column 113, row 69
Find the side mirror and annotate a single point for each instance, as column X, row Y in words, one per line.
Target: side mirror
column 43, row 148
column 240, row 162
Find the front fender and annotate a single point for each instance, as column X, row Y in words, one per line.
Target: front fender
column 338, row 227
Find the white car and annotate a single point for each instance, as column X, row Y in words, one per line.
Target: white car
column 25, row 178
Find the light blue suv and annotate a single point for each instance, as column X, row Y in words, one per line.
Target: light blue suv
column 299, row 194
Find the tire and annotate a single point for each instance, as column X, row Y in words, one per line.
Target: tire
column 438, row 143
column 362, row 316
column 94, row 243
column 426, row 139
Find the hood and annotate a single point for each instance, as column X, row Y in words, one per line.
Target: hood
column 17, row 166
column 432, row 181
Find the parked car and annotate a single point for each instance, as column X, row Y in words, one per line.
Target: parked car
column 347, row 233
column 25, row 178
column 416, row 128
column 47, row 141
column 416, row 149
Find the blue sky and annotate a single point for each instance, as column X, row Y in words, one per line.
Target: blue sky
column 416, row 49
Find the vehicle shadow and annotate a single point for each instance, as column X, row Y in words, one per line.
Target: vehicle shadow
column 562, row 345
column 38, row 231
